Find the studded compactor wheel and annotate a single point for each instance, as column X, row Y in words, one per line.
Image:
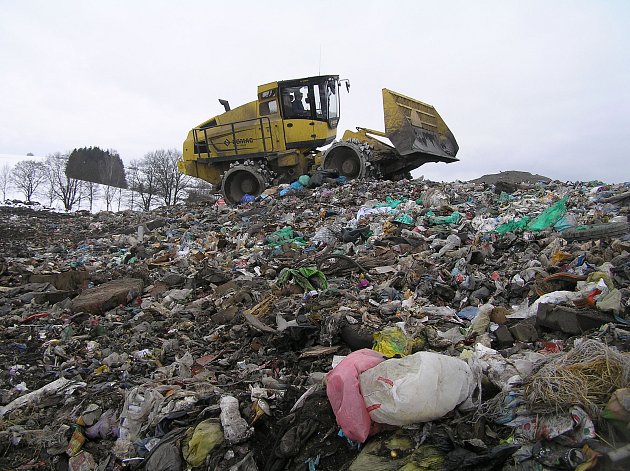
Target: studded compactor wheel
column 244, row 179
column 347, row 158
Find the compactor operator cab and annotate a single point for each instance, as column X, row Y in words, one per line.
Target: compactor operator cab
column 309, row 111
column 314, row 98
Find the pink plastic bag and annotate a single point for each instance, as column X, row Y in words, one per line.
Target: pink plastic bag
column 344, row 394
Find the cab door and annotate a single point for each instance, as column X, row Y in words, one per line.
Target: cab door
column 271, row 122
column 299, row 126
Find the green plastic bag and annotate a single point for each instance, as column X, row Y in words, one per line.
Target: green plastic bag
column 390, row 202
column 405, row 219
column 549, row 216
column 302, row 276
column 513, row 225
column 440, row 220
column 283, row 236
column 397, row 453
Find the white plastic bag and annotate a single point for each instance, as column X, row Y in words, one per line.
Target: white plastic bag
column 555, row 297
column 418, row 388
column 141, row 407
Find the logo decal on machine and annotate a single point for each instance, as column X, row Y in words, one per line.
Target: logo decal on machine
column 247, row 140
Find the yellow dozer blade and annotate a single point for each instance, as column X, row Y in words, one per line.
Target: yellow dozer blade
column 416, row 130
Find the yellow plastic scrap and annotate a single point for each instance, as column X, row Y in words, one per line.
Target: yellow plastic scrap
column 399, row 443
column 392, row 341
column 260, row 408
column 559, row 256
column 600, row 275
column 76, row 442
column 102, row 369
column 206, row 436
column 389, row 227
column 590, row 461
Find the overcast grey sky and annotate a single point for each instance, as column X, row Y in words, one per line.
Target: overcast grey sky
column 540, row 86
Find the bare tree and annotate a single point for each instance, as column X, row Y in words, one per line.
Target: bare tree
column 109, row 193
column 143, row 181
column 64, row 188
column 49, row 192
column 170, row 183
column 132, row 176
column 119, row 198
column 27, row 176
column 91, row 191
column 5, row 180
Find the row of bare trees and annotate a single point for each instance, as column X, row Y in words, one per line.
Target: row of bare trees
column 151, row 181
column 155, row 176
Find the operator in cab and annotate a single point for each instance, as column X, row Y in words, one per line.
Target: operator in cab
column 296, row 105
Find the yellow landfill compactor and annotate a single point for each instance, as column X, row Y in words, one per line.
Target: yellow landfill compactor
column 276, row 138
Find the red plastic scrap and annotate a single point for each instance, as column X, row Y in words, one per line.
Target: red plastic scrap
column 590, row 298
column 204, row 360
column 552, row 347
column 33, row 465
column 32, row 317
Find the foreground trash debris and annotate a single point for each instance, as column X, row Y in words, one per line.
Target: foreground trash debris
column 350, row 325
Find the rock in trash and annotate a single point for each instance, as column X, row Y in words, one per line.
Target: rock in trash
column 69, row 280
column 525, row 330
column 104, row 297
column 83, row 461
column 504, row 337
column 569, row 320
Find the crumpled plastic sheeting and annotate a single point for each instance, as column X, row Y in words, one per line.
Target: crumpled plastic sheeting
column 555, row 297
column 60, row 385
column 142, row 405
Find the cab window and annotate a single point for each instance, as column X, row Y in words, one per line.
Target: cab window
column 319, row 113
column 296, row 102
column 268, row 107
column 332, row 100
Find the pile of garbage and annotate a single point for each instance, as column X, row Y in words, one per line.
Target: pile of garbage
column 338, row 325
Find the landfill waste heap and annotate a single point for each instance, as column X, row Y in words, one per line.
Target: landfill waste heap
column 330, row 325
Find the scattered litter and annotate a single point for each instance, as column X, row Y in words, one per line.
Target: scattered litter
column 323, row 325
